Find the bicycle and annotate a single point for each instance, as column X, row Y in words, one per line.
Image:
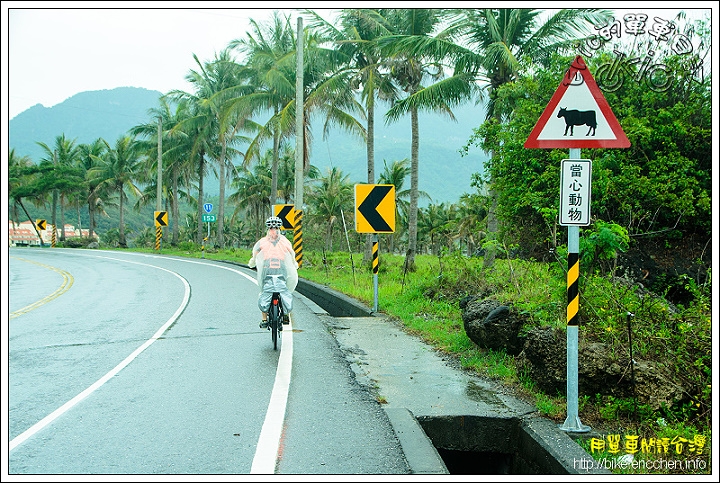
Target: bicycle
column 611, row 76
column 275, row 318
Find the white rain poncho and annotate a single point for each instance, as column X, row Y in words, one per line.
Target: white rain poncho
column 276, row 270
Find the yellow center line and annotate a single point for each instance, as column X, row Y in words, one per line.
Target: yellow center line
column 67, row 283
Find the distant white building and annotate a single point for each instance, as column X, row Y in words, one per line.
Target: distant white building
column 24, row 234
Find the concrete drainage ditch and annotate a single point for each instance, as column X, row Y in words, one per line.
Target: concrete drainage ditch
column 500, row 438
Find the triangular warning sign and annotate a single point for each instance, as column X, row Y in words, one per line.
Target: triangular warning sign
column 578, row 116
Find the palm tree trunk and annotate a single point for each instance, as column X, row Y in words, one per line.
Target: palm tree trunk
column 175, row 208
column 91, row 215
column 275, row 162
column 412, row 214
column 328, row 240
column 121, row 229
column 79, row 225
column 62, row 217
column 201, row 168
column 221, row 207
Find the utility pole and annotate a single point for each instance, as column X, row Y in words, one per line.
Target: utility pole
column 299, row 145
column 158, row 200
column 299, row 108
column 54, row 207
column 158, row 192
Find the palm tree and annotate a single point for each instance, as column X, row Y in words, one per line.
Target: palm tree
column 178, row 170
column 395, row 174
column 118, row 170
column 329, row 199
column 89, row 155
column 22, row 175
column 286, row 173
column 437, row 222
column 197, row 132
column 252, row 195
column 354, row 33
column 214, row 82
column 498, row 39
column 273, row 61
column 471, row 213
column 270, row 69
column 206, row 125
column 417, row 59
column 63, row 155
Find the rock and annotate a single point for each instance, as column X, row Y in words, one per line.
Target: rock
column 600, row 370
column 93, row 245
column 492, row 325
column 544, row 359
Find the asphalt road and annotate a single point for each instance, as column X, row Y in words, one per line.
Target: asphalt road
column 125, row 363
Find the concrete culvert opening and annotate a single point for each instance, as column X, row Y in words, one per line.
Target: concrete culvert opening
column 475, row 462
column 472, row 445
column 504, row 446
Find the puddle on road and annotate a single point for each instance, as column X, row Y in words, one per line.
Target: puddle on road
column 481, row 394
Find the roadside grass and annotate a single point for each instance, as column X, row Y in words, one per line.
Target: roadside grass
column 426, row 302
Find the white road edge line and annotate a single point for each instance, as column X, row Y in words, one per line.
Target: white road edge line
column 267, row 449
column 266, row 452
column 22, row 437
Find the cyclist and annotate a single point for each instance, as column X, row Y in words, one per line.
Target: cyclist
column 274, row 259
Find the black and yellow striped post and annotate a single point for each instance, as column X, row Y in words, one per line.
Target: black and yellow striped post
column 158, row 237
column 375, row 266
column 572, row 422
column 53, row 236
column 573, row 293
column 160, row 219
column 297, row 237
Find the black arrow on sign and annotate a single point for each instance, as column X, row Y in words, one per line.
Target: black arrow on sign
column 284, row 211
column 160, row 218
column 368, row 208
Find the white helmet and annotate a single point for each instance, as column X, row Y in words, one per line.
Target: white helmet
column 274, row 222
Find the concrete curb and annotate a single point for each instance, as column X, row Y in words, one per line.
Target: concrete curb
column 337, row 304
column 421, row 455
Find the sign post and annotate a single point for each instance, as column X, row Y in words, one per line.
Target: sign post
column 375, row 213
column 577, row 102
column 292, row 220
column 41, row 225
column 575, row 195
column 208, row 207
column 161, row 219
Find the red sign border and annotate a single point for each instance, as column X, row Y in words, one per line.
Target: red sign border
column 621, row 140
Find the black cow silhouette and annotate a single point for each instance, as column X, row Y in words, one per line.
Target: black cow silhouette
column 574, row 117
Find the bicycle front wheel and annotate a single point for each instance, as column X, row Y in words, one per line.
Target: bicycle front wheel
column 274, row 319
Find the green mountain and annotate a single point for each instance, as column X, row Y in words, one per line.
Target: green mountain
column 83, row 117
column 108, row 114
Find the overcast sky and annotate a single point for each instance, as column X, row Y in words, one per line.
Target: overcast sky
column 54, row 50
column 55, row 53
